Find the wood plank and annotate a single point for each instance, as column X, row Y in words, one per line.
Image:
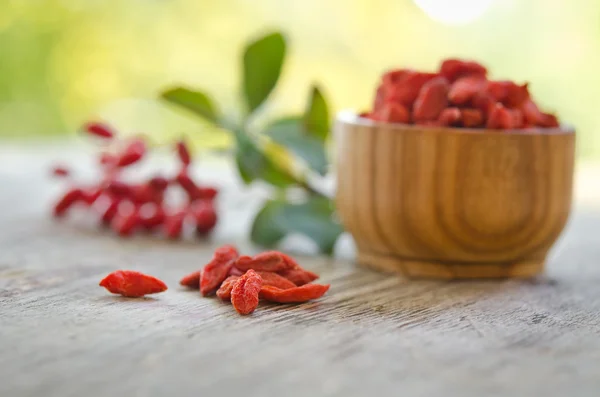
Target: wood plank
column 62, row 335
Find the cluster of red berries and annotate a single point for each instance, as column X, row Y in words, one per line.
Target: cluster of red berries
column 129, row 207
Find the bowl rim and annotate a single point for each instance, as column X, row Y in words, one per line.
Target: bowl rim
column 349, row 116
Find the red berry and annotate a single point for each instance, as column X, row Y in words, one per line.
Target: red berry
column 100, row 130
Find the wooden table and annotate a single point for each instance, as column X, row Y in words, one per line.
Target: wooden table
column 61, row 335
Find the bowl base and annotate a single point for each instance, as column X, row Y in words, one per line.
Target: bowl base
column 413, row 268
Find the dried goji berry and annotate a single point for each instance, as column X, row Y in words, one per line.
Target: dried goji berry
column 119, row 189
column 293, row 295
column 90, row 196
column 204, row 215
column 471, row 118
column 217, row 269
column 432, row 100
column 465, row 88
column 192, row 280
column 234, row 271
column 450, row 116
column 151, row 216
column 452, row 69
column 207, row 193
column 133, row 153
column 484, row 102
column 395, row 76
column 110, row 212
column 507, row 92
column 548, row 120
column 299, row 276
column 132, row 284
column 275, row 280
column 394, row 113
column 187, row 184
column 107, row 159
column 500, row 118
column 173, row 224
column 67, row 201
column 270, row 261
column 159, row 183
column 224, row 291
column 406, row 89
column 518, row 119
column 245, row 292
column 183, row 153
column 533, row 115
column 60, row 171
column 124, row 224
column 99, row 129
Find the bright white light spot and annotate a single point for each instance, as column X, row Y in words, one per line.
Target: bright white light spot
column 454, row 12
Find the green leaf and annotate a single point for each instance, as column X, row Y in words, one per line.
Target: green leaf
column 313, row 219
column 263, row 60
column 316, row 116
column 253, row 164
column 291, row 133
column 195, row 101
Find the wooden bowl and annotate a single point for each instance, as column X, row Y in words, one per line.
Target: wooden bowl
column 453, row 203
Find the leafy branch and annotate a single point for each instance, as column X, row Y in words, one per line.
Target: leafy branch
column 301, row 138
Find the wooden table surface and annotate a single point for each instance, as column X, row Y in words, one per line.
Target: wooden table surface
column 61, row 335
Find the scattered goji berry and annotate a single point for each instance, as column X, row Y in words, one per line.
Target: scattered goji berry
column 90, row 196
column 149, row 197
column 67, row 201
column 432, row 99
column 173, row 224
column 124, row 224
column 183, row 153
column 60, row 171
column 99, row 129
column 245, row 292
column 132, row 284
column 110, row 212
column 270, row 261
column 107, row 159
column 152, row 216
column 217, row 269
column 133, row 153
column 192, row 280
column 204, row 215
column 294, row 295
column 207, row 193
column 275, row 280
column 224, row 291
column 159, row 183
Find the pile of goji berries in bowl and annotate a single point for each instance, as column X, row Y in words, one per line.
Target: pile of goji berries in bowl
column 458, row 95
column 146, row 205
column 240, row 279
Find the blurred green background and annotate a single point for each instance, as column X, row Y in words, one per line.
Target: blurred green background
column 65, row 61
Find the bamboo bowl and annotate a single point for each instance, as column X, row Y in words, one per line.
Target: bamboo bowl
column 452, row 203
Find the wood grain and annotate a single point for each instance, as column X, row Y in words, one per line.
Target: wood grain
column 453, row 203
column 63, row 336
